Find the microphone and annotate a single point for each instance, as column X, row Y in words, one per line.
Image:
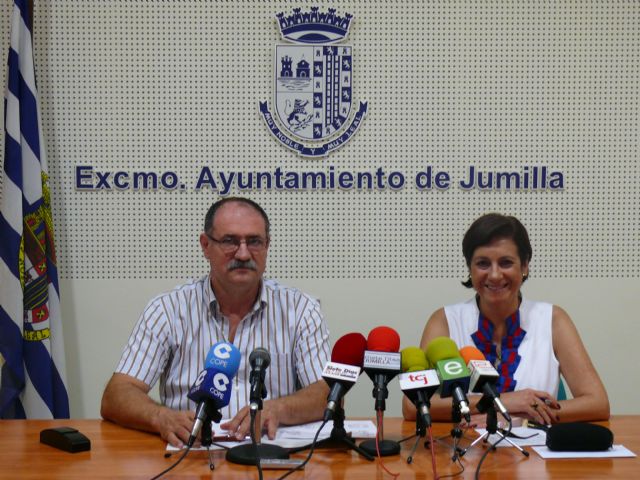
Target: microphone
column 223, row 355
column 483, row 380
column 417, row 381
column 579, row 437
column 252, row 453
column 342, row 372
column 382, row 361
column 443, row 353
column 259, row 360
column 212, row 389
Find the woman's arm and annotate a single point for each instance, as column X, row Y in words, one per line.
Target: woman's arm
column 516, row 402
column 590, row 401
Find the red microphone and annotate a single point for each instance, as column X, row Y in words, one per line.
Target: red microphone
column 383, row 339
column 342, row 372
column 382, row 362
column 349, row 349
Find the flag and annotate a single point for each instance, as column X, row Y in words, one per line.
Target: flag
column 32, row 380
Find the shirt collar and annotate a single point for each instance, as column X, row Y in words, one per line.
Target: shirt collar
column 210, row 297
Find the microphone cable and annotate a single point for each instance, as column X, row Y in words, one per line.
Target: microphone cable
column 492, row 448
column 456, row 457
column 306, row 460
column 174, row 465
column 379, row 422
column 433, row 452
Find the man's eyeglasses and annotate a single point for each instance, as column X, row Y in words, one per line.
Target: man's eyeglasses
column 231, row 244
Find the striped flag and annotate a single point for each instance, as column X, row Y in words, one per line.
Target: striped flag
column 32, row 381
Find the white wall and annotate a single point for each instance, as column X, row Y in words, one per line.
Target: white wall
column 157, row 86
column 99, row 315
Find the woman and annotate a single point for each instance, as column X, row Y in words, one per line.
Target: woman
column 530, row 343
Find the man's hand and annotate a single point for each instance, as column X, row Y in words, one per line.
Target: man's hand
column 174, row 426
column 126, row 401
column 239, row 426
column 306, row 405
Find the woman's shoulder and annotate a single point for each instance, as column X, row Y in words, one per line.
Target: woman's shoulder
column 457, row 311
column 561, row 319
column 436, row 326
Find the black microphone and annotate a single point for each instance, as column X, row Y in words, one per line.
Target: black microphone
column 252, row 453
column 259, row 360
column 579, row 437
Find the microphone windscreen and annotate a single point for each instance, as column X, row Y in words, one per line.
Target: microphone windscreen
column 579, row 437
column 383, row 339
column 441, row 348
column 225, row 357
column 349, row 349
column 469, row 353
column 213, row 384
column 260, row 357
column 412, row 359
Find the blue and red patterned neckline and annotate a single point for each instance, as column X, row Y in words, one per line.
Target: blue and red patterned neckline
column 507, row 360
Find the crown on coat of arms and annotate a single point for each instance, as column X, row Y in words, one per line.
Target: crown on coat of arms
column 314, row 26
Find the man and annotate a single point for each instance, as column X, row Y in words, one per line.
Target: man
column 235, row 304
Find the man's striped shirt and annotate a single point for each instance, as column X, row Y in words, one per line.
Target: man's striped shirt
column 176, row 330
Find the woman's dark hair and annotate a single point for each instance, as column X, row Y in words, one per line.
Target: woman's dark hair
column 493, row 226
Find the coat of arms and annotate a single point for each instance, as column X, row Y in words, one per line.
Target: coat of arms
column 313, row 84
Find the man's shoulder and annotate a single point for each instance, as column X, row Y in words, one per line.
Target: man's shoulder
column 183, row 290
column 273, row 288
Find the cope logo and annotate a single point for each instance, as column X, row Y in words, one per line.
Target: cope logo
column 219, row 356
column 218, row 386
column 313, row 78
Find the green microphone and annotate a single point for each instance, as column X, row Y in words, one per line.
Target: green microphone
column 454, row 375
column 418, row 383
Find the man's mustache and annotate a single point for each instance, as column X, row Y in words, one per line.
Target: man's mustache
column 245, row 264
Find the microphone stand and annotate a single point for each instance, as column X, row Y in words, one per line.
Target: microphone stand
column 456, row 431
column 339, row 437
column 251, row 453
column 492, row 428
column 206, row 434
column 211, row 414
column 421, row 432
column 378, row 445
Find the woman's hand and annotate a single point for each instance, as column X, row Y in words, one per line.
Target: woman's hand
column 536, row 405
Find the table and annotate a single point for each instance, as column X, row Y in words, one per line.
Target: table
column 117, row 452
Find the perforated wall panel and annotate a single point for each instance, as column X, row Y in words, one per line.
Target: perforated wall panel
column 174, row 86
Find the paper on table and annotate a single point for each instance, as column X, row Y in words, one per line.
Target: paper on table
column 296, row 435
column 357, row 428
column 539, row 437
column 619, row 451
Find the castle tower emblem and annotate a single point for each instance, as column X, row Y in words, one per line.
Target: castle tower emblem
column 313, row 110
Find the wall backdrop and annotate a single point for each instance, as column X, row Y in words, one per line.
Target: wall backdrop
column 151, row 111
